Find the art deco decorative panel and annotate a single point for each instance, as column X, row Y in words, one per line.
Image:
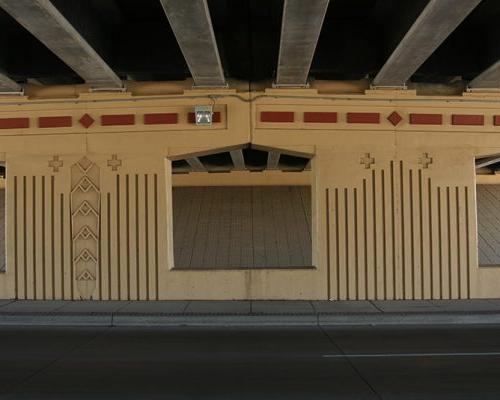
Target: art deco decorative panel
column 85, row 218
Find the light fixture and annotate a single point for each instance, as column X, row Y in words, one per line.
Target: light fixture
column 203, row 115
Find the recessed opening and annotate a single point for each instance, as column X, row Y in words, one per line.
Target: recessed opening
column 255, row 160
column 488, row 210
column 217, row 162
column 242, row 219
column 488, row 224
column 2, row 217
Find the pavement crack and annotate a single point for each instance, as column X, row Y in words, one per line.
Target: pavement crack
column 377, row 307
column 186, row 307
column 15, row 386
column 9, row 302
column 351, row 363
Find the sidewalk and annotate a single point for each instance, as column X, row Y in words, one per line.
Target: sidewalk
column 206, row 313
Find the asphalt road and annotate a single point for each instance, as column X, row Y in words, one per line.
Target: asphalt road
column 250, row 363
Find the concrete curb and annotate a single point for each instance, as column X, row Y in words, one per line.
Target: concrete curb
column 55, row 320
column 173, row 320
column 442, row 318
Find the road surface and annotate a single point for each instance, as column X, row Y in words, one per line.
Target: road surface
column 250, row 363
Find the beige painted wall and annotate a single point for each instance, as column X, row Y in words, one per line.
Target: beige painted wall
column 394, row 230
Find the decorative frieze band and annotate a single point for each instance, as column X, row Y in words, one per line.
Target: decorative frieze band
column 266, row 116
column 120, row 119
column 362, row 118
column 320, row 117
column 426, row 119
column 14, row 123
column 55, row 122
column 86, row 121
column 465, row 119
column 374, row 118
column 277, row 116
column 161, row 118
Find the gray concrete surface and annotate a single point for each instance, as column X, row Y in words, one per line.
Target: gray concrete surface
column 250, row 363
column 62, row 33
column 192, row 26
column 248, row 313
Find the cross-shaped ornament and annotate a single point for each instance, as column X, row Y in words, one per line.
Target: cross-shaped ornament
column 55, row 163
column 114, row 163
column 367, row 160
column 425, row 160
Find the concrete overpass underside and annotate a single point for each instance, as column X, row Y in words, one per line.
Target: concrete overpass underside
column 317, row 178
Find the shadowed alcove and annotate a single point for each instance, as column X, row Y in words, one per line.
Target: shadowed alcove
column 242, row 208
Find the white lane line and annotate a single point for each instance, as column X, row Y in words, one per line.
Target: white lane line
column 394, row 355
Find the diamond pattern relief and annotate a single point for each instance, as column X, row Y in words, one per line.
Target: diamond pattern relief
column 394, row 118
column 85, row 164
column 86, row 121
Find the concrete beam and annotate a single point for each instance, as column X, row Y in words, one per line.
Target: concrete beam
column 300, row 29
column 484, row 162
column 273, row 159
column 42, row 19
column 438, row 19
column 489, row 79
column 196, row 164
column 192, row 27
column 8, row 85
column 238, row 159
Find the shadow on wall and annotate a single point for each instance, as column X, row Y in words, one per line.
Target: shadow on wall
column 242, row 227
column 488, row 224
column 2, row 219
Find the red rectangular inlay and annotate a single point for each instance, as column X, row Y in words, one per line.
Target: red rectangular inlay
column 122, row 119
column 215, row 118
column 160, row 118
column 363, row 118
column 426, row 119
column 55, row 122
column 321, row 117
column 496, row 120
column 277, row 116
column 14, row 123
column 462, row 119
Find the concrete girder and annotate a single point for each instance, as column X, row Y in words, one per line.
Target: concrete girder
column 8, row 85
column 42, row 19
column 196, row 164
column 192, row 27
column 434, row 24
column 485, row 162
column 488, row 79
column 273, row 159
column 238, row 159
column 300, row 30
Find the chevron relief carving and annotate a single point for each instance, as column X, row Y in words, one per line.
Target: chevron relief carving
column 85, row 233
column 85, row 185
column 85, row 276
column 85, row 219
column 85, row 209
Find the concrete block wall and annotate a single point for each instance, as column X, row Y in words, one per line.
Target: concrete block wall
column 393, row 196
